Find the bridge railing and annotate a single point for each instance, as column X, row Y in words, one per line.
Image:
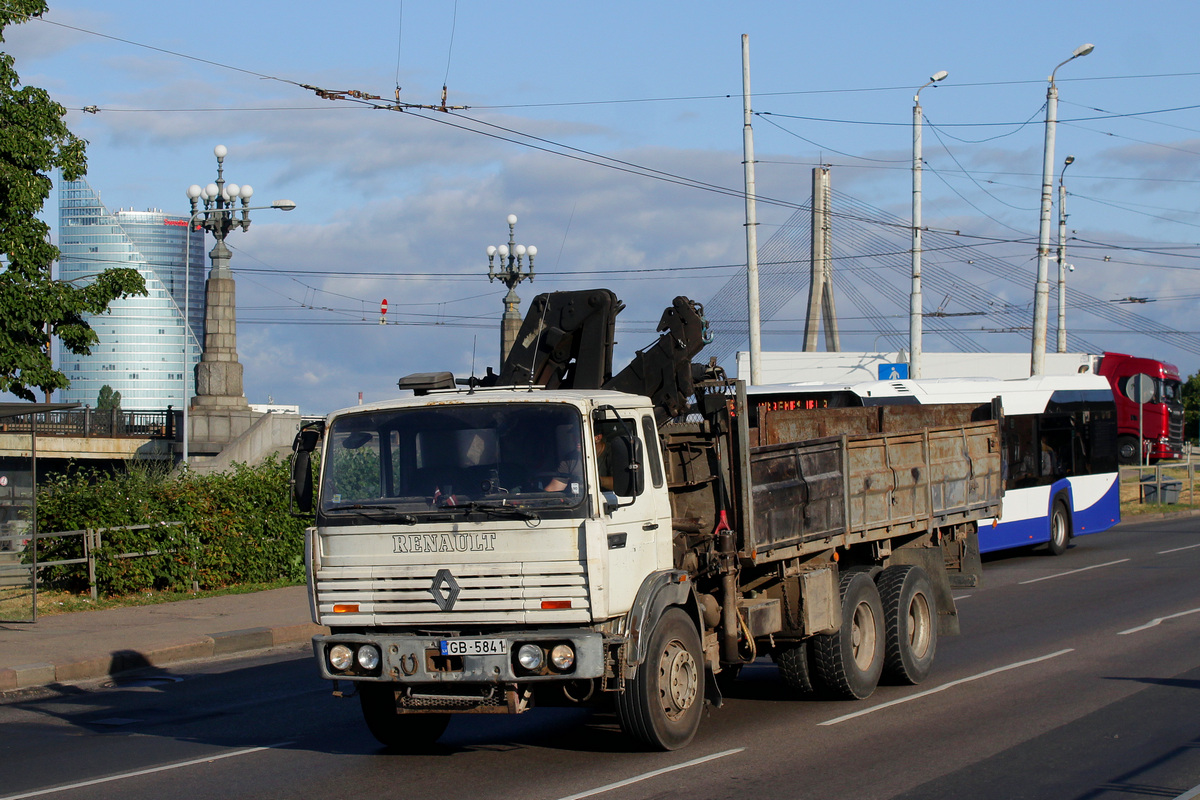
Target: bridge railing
column 110, row 423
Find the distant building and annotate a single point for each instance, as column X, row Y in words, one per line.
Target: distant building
column 143, row 340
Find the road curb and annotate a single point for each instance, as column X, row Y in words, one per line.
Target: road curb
column 30, row 676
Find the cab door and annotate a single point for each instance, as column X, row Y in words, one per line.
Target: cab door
column 630, row 511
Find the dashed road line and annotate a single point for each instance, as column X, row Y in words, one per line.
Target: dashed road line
column 139, row 772
column 1158, row 621
column 1177, row 549
column 1073, row 571
column 646, row 775
column 946, row 686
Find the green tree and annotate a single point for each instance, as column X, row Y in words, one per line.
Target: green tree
column 107, row 398
column 34, row 141
column 1191, row 407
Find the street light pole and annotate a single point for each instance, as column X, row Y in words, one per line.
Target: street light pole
column 510, row 275
column 915, row 320
column 218, row 214
column 1062, row 256
column 1041, row 296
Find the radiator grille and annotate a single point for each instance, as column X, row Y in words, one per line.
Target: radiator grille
column 456, row 594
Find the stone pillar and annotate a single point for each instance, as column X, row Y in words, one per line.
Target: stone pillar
column 219, row 374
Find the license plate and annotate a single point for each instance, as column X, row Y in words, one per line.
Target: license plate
column 473, row 647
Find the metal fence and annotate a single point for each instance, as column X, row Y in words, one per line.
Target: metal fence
column 112, row 423
column 17, row 575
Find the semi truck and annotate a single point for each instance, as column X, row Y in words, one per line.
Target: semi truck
column 554, row 534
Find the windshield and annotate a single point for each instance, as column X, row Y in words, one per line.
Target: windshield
column 453, row 458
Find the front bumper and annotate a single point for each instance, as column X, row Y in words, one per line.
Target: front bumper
column 417, row 659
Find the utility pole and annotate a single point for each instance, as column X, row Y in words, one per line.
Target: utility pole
column 915, row 319
column 1062, row 256
column 753, row 310
column 1041, row 295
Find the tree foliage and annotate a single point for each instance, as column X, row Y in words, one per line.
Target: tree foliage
column 107, row 398
column 234, row 528
column 34, row 141
column 1191, row 407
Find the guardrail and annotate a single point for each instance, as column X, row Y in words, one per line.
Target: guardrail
column 84, row 422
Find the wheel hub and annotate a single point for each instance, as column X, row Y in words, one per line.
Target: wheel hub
column 679, row 679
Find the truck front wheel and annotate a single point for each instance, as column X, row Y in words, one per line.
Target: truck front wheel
column 848, row 663
column 403, row 733
column 660, row 707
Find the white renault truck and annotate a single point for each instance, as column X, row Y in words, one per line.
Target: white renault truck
column 564, row 536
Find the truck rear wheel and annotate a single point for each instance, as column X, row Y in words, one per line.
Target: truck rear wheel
column 848, row 663
column 910, row 620
column 792, row 660
column 400, row 732
column 660, row 707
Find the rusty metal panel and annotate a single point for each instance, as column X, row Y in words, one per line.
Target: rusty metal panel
column 797, row 494
column 871, row 487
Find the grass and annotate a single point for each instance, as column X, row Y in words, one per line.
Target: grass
column 15, row 603
column 1131, row 489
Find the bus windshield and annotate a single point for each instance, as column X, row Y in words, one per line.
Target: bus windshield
column 502, row 457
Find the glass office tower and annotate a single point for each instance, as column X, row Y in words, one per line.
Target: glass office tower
column 146, row 351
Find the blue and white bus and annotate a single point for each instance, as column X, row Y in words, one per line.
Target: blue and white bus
column 1060, row 447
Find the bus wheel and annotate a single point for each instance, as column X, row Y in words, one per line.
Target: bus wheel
column 848, row 663
column 792, row 660
column 404, row 733
column 1127, row 450
column 1060, row 529
column 910, row 619
column 660, row 707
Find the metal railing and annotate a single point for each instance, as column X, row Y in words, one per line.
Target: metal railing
column 19, row 574
column 85, row 422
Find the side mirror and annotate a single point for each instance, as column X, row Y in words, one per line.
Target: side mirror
column 301, row 477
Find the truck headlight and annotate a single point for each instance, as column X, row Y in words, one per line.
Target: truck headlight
column 562, row 657
column 368, row 657
column 530, row 657
column 341, row 657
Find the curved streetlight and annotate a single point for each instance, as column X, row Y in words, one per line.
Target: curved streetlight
column 218, row 213
column 914, row 308
column 1062, row 256
column 1037, row 362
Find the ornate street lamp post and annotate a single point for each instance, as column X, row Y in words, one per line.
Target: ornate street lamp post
column 219, row 374
column 510, row 274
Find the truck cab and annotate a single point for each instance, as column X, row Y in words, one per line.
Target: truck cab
column 469, row 545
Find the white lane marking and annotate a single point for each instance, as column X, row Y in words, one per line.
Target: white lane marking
column 1177, row 549
column 1190, row 794
column 645, row 776
column 961, row 597
column 137, row 773
column 1158, row 621
column 946, row 686
column 1074, row 571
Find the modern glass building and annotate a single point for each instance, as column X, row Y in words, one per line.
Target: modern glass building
column 145, row 352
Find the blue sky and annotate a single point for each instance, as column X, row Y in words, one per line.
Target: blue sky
column 401, row 205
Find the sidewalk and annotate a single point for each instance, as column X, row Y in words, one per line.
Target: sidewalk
column 93, row 644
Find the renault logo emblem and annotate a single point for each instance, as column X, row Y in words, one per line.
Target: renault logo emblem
column 445, row 590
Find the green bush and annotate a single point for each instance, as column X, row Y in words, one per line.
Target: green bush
column 235, row 529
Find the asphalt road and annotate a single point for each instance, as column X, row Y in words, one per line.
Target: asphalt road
column 1074, row 677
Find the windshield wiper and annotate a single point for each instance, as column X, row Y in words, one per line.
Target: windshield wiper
column 374, row 511
column 493, row 510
